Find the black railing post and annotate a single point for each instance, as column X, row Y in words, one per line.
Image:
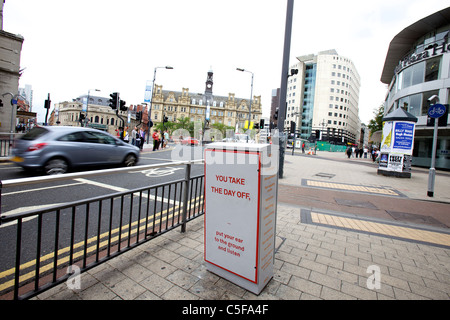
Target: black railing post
column 1, row 187
column 187, row 178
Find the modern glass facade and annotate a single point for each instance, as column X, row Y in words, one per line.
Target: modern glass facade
column 421, row 71
column 308, row 100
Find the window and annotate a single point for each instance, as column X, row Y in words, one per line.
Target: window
column 432, row 69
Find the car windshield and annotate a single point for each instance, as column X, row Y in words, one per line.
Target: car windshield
column 34, row 133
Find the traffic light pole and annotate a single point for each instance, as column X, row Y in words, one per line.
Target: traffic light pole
column 283, row 88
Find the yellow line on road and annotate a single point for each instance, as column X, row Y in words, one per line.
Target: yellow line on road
column 80, row 244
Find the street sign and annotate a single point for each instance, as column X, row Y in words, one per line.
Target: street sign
column 436, row 111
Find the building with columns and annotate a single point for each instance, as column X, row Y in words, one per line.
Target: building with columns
column 228, row 110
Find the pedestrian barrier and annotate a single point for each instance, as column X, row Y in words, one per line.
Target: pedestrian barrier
column 72, row 238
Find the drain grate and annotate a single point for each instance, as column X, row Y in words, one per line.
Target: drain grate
column 354, row 203
column 416, row 218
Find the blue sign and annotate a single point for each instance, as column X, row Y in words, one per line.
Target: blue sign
column 436, row 111
column 403, row 135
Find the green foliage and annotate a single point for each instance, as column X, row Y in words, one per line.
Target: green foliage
column 376, row 124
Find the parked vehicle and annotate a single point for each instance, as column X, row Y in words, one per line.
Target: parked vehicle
column 190, row 141
column 56, row 150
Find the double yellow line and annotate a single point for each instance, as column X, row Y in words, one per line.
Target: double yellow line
column 124, row 233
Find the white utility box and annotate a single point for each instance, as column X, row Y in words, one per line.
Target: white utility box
column 241, row 182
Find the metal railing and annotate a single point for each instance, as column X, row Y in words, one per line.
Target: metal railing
column 49, row 246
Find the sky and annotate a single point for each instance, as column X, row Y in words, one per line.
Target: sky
column 72, row 47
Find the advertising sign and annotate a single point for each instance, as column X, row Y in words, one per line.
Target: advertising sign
column 240, row 213
column 397, row 145
column 233, row 235
column 403, row 137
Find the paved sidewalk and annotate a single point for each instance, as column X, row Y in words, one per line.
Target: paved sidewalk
column 313, row 259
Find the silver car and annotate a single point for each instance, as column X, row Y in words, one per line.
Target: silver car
column 59, row 149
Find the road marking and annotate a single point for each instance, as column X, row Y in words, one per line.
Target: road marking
column 93, row 245
column 40, row 189
column 24, row 209
column 119, row 189
column 159, row 172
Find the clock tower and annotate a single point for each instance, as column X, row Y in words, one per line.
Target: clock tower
column 209, row 84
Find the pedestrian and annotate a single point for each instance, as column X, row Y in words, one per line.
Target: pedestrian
column 361, row 151
column 155, row 137
column 353, row 151
column 133, row 136
column 142, row 135
column 365, row 152
column 349, row 152
column 303, row 147
column 161, row 139
column 166, row 138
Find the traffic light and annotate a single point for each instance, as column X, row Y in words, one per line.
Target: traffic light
column 113, row 102
column 294, row 72
column 256, row 126
column 275, row 116
column 139, row 116
column 261, row 124
column 82, row 116
column 122, row 106
column 47, row 104
column 165, row 119
column 293, row 125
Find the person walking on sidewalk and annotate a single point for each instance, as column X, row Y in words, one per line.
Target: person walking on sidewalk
column 349, row 152
column 155, row 137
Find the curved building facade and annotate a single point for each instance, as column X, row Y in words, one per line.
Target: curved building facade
column 417, row 67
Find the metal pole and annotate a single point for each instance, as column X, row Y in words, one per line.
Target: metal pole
column 150, row 108
column 283, row 88
column 432, row 172
column 187, row 178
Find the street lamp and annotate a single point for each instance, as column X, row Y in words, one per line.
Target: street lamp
column 251, row 98
column 151, row 101
column 87, row 105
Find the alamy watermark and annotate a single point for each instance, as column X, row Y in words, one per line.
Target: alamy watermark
column 74, row 280
column 374, row 280
column 241, row 154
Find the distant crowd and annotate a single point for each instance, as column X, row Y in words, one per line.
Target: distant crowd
column 355, row 152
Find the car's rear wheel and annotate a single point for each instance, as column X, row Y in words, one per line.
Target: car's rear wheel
column 130, row 161
column 56, row 166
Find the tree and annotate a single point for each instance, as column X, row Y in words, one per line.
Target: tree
column 222, row 128
column 376, row 124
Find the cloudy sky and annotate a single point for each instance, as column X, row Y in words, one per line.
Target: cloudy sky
column 114, row 45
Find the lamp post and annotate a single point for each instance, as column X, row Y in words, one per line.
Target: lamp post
column 87, row 106
column 151, row 101
column 251, row 98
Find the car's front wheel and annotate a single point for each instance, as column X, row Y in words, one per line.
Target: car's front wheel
column 56, row 166
column 130, row 161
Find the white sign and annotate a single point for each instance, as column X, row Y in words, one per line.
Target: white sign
column 232, row 237
column 241, row 182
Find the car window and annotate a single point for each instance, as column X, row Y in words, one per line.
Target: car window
column 34, row 133
column 73, row 137
column 102, row 138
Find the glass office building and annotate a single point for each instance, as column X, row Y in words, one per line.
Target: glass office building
column 417, row 67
